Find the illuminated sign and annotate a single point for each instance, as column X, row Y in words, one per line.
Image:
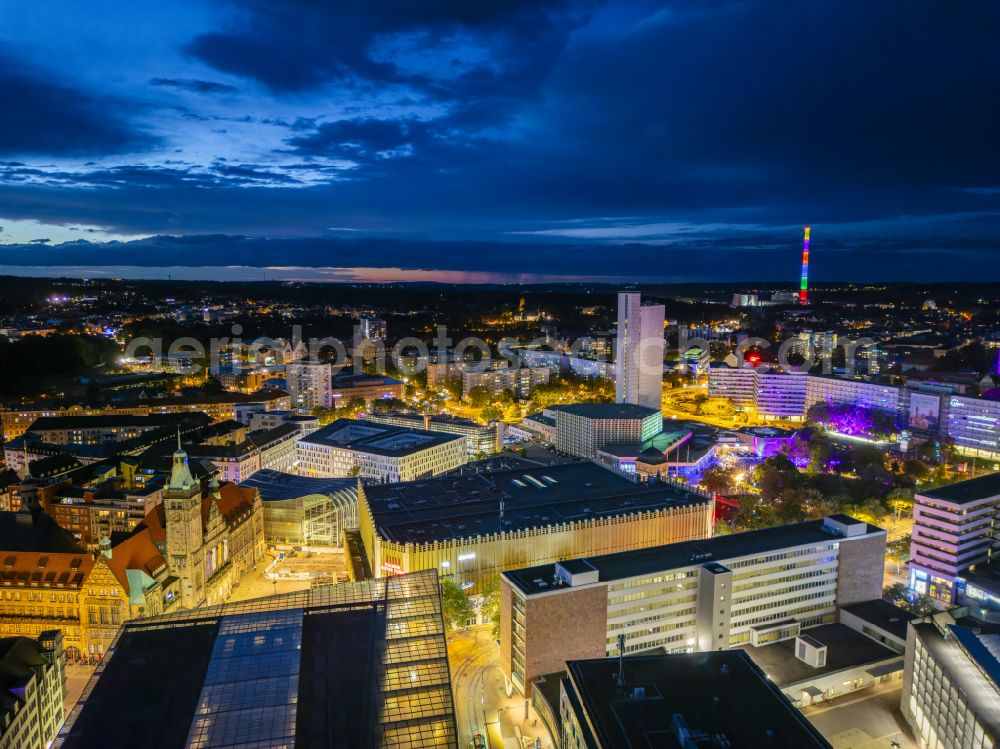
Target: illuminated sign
column 392, row 568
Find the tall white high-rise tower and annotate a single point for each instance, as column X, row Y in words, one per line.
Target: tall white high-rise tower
column 639, row 351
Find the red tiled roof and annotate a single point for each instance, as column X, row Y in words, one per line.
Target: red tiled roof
column 41, row 568
column 137, row 552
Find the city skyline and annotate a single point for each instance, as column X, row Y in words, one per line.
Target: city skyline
column 602, row 141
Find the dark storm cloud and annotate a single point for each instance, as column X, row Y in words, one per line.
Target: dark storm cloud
column 523, row 121
column 194, row 85
column 300, row 45
column 47, row 115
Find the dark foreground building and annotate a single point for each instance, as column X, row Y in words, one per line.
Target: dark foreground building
column 705, row 700
column 352, row 665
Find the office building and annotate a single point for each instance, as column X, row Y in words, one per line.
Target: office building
column 953, row 529
column 305, row 512
column 974, row 425
column 267, row 449
column 639, row 352
column 364, row 387
column 481, row 440
column 693, row 700
column 582, row 429
column 471, row 527
column 309, row 384
column 951, row 684
column 378, row 452
column 752, row 588
column 33, row 686
column 355, row 665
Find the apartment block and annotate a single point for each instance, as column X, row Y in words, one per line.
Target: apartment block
column 309, row 384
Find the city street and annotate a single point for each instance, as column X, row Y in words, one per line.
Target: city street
column 481, row 703
column 77, row 676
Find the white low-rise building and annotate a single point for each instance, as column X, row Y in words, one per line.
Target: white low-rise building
column 379, row 452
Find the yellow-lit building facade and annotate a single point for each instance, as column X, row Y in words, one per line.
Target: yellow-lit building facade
column 476, row 559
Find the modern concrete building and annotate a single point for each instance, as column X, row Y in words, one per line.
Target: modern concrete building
column 480, row 439
column 974, row 425
column 378, row 452
column 672, row 700
column 472, row 527
column 309, row 384
column 582, row 429
column 951, row 684
column 954, row 528
column 738, row 384
column 306, row 512
column 752, row 588
column 270, row 449
column 360, row 664
column 33, row 687
column 639, row 352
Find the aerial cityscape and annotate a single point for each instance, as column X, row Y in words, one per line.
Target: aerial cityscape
column 586, row 374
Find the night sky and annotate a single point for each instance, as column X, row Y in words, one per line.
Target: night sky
column 669, row 141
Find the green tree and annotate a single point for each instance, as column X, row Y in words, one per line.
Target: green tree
column 718, row 479
column 492, row 412
column 455, row 605
column 479, row 396
column 490, row 606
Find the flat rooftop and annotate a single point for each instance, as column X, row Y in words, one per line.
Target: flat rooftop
column 963, row 492
column 882, row 614
column 278, row 485
column 351, row 665
column 846, row 648
column 625, row 564
column 956, row 655
column 714, row 693
column 377, row 439
column 606, row 410
column 47, row 423
column 455, row 507
column 363, row 380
